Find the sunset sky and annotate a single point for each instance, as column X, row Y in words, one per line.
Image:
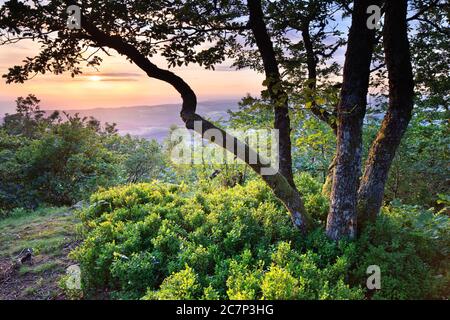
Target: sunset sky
column 118, row 83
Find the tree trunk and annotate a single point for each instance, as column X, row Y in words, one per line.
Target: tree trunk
column 326, row 188
column 396, row 120
column 342, row 218
column 278, row 96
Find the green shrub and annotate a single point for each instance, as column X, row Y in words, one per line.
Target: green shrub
column 51, row 160
column 182, row 285
column 244, row 278
column 279, row 284
column 315, row 202
column 66, row 164
column 139, row 235
column 164, row 241
column 411, row 246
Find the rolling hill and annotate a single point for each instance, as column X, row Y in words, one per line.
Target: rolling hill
column 154, row 122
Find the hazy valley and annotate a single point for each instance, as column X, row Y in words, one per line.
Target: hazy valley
column 154, row 122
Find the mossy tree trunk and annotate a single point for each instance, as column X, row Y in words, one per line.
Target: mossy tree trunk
column 342, row 217
column 398, row 116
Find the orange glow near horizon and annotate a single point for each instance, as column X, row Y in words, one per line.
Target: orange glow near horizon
column 118, row 83
column 95, row 78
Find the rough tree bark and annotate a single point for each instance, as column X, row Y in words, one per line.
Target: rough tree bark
column 342, row 217
column 398, row 116
column 326, row 188
column 278, row 96
column 281, row 187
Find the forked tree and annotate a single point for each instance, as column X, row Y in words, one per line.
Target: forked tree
column 206, row 32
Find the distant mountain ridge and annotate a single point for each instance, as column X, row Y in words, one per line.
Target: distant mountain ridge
column 154, row 122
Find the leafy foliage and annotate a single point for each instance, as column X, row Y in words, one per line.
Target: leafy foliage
column 419, row 172
column 410, row 244
column 165, row 241
column 48, row 159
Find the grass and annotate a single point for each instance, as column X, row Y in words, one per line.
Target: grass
column 18, row 217
column 51, row 234
column 41, row 268
column 44, row 231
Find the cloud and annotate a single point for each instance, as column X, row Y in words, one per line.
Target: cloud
column 114, row 74
column 100, row 77
column 228, row 68
column 111, row 76
column 118, row 80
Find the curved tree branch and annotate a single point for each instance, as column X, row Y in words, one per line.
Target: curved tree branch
column 277, row 182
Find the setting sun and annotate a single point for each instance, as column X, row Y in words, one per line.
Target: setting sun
column 95, row 78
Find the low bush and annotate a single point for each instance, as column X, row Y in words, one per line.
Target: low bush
column 411, row 246
column 164, row 241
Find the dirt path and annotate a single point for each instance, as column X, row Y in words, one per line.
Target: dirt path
column 51, row 236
